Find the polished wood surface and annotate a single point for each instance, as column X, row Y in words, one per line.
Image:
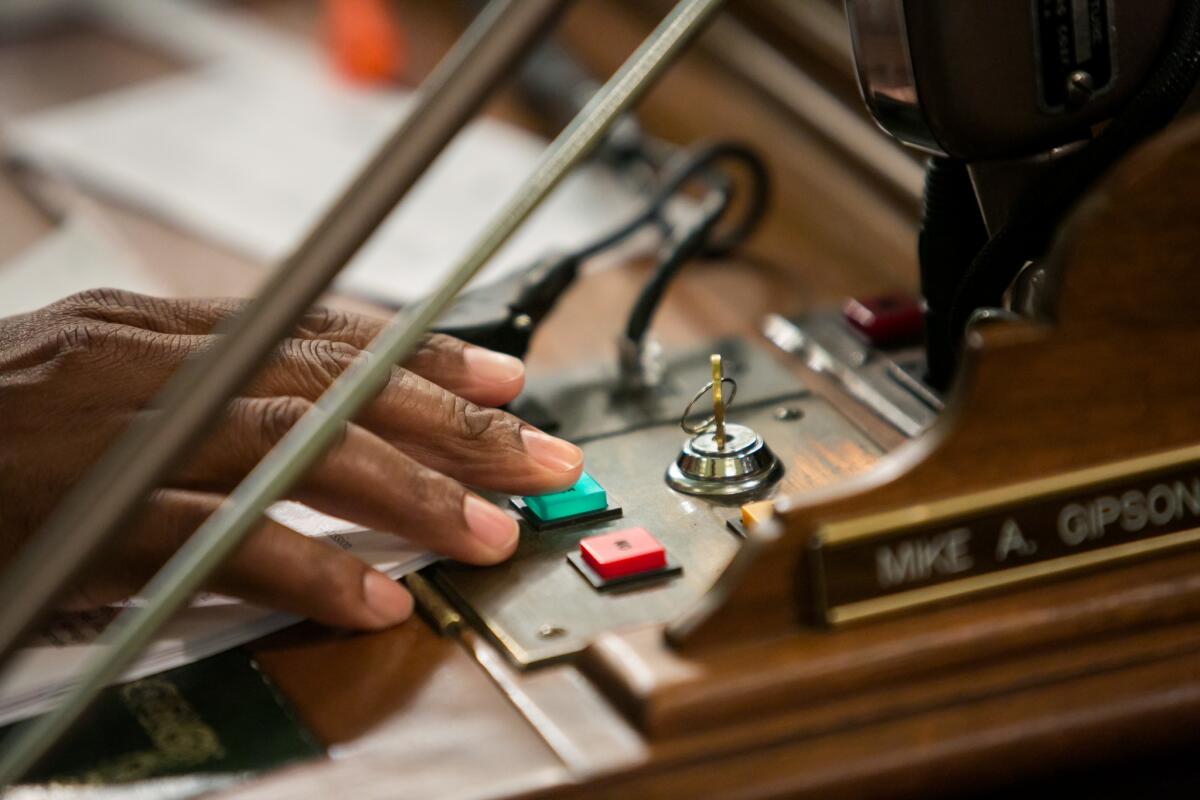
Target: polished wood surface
column 1097, row 661
column 678, row 692
column 980, row 730
column 1099, row 383
column 405, row 702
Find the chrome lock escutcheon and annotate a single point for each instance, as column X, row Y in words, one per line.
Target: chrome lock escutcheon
column 722, row 460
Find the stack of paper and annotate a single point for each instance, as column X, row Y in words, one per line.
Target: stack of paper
column 255, row 139
column 78, row 255
column 47, row 668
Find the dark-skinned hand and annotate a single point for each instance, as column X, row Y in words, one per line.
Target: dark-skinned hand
column 76, row 373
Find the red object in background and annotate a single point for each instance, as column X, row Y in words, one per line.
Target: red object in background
column 622, row 553
column 885, row 319
column 365, row 40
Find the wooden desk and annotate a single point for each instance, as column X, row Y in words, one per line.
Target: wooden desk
column 413, row 713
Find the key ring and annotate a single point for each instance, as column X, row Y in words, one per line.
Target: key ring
column 696, row 428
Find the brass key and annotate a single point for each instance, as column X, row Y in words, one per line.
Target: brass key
column 718, row 378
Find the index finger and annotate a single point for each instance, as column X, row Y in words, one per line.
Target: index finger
column 475, row 373
column 480, row 375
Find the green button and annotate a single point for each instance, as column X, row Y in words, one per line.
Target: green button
column 584, row 497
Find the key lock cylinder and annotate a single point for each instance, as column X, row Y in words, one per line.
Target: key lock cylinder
column 722, row 461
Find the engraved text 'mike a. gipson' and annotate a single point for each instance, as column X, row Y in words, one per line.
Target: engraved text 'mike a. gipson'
column 1131, row 511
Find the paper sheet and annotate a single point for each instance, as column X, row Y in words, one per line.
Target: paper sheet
column 45, row 670
column 251, row 145
column 75, row 256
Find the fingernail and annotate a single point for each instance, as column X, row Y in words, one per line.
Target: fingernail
column 550, row 452
column 386, row 598
column 488, row 523
column 492, row 366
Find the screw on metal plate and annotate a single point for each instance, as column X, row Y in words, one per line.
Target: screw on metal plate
column 551, row 632
column 1080, row 87
column 788, row 413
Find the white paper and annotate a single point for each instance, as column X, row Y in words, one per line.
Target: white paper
column 75, row 256
column 249, row 148
column 45, row 670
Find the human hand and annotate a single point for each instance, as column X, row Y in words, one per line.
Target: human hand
column 74, row 374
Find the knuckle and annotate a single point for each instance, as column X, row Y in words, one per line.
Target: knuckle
column 345, row 576
column 210, row 309
column 70, row 338
column 140, row 344
column 276, row 416
column 340, row 580
column 321, row 360
column 440, row 345
column 329, row 583
column 106, row 345
column 422, row 489
column 122, row 307
column 472, row 423
column 175, row 313
column 321, row 323
column 78, row 341
column 430, row 490
column 92, row 300
column 405, row 390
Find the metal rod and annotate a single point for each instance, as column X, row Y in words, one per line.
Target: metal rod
column 113, row 491
column 317, row 429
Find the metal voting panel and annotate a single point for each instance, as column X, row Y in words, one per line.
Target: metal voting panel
column 538, row 608
column 589, row 402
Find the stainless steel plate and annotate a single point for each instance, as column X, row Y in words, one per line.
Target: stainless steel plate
column 539, row 609
column 886, row 382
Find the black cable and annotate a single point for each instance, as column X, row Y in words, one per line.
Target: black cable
column 690, row 245
column 690, row 166
column 698, row 240
column 504, row 315
column 1035, row 218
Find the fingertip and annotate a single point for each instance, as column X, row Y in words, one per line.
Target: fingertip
column 553, row 454
column 573, row 477
column 496, row 531
column 558, row 482
column 541, row 465
column 493, row 367
column 389, row 602
column 492, row 378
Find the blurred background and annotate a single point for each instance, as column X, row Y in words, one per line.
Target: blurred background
column 182, row 147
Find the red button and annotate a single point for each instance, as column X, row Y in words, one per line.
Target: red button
column 621, row 553
column 886, row 318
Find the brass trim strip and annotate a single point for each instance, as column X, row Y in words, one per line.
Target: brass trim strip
column 836, row 533
column 863, row 609
column 441, row 613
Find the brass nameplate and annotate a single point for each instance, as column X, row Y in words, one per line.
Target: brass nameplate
column 883, row 563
